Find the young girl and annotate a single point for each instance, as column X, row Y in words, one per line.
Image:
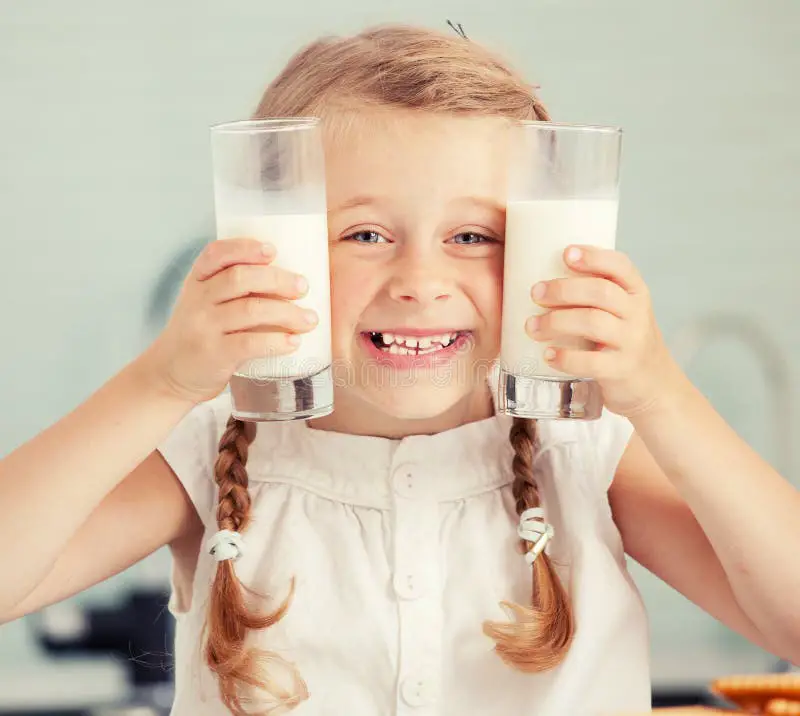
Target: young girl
column 390, row 558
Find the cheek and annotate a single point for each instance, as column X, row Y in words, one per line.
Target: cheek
column 351, row 293
column 491, row 302
column 490, row 290
column 488, row 298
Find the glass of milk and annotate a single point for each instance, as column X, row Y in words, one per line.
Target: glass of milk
column 563, row 189
column 269, row 184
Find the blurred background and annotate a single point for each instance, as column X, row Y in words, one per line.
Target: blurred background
column 105, row 194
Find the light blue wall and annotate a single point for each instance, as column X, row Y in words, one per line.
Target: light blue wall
column 104, row 177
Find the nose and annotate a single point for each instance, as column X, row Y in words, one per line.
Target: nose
column 420, row 277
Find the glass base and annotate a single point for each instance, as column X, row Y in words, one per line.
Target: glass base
column 264, row 399
column 549, row 398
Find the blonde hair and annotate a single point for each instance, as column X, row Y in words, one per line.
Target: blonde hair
column 403, row 68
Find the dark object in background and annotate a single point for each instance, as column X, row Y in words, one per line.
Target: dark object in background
column 140, row 630
column 169, row 282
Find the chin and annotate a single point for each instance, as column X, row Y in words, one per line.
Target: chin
column 436, row 381
column 415, row 403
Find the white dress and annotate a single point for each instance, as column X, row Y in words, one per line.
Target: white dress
column 400, row 550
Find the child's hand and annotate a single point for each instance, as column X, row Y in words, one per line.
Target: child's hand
column 608, row 304
column 232, row 308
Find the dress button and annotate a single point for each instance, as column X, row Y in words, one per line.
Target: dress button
column 405, row 481
column 408, row 585
column 416, row 690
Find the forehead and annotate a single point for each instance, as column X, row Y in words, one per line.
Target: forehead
column 420, row 155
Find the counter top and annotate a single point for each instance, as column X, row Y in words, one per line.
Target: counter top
column 80, row 682
column 67, row 684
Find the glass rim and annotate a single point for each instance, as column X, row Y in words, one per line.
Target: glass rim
column 270, row 124
column 571, row 126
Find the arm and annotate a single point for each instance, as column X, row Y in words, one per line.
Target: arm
column 65, row 491
column 699, row 508
column 693, row 501
column 147, row 510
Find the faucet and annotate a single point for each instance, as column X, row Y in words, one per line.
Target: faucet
column 775, row 369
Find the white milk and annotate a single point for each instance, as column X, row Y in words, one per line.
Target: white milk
column 537, row 233
column 301, row 242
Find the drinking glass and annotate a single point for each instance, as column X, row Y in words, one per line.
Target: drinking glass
column 269, row 184
column 563, row 189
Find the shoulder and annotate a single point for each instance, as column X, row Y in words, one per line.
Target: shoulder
column 199, row 433
column 611, row 434
column 600, row 444
column 191, row 449
column 193, row 444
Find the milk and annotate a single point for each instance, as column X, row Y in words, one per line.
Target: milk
column 537, row 234
column 301, row 242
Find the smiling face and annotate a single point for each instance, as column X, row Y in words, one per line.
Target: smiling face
column 416, row 221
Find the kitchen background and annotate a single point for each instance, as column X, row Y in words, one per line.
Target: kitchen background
column 105, row 195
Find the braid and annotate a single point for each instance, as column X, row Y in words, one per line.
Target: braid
column 230, row 474
column 230, row 617
column 541, row 635
column 525, row 442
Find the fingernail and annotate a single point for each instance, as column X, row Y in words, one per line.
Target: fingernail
column 302, row 284
column 293, row 339
column 533, row 324
column 549, row 354
column 539, row 290
column 267, row 249
column 574, row 254
column 310, row 316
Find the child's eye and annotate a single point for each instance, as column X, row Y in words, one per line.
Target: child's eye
column 365, row 237
column 470, row 237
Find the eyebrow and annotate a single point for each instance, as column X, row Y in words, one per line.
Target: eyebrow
column 483, row 201
column 366, row 200
column 356, row 202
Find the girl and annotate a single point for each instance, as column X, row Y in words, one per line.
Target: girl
column 413, row 552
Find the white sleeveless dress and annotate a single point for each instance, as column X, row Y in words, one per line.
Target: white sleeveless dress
column 400, row 550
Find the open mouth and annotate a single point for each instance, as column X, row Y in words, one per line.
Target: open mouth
column 396, row 344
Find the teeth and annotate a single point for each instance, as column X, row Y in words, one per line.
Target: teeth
column 410, row 345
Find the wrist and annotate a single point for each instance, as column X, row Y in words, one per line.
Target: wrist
column 146, row 377
column 673, row 400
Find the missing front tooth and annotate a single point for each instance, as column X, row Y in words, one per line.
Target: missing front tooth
column 377, row 339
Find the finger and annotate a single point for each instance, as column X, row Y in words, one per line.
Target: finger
column 245, row 280
column 265, row 314
column 249, row 345
column 594, row 364
column 609, row 263
column 589, row 323
column 220, row 254
column 588, row 291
